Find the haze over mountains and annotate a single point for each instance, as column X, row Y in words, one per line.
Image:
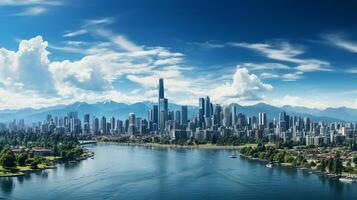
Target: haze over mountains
column 121, row 110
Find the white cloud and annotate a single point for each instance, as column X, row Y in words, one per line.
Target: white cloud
column 119, row 40
column 285, row 77
column 98, row 74
column 284, row 51
column 208, row 44
column 32, row 11
column 342, row 43
column 292, row 76
column 100, row 21
column 352, row 70
column 266, row 75
column 244, row 86
column 266, row 66
column 20, row 2
column 312, row 67
column 28, row 66
column 75, row 33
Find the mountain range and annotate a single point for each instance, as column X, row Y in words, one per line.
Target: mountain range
column 121, row 111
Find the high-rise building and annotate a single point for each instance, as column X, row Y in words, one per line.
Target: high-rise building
column 112, row 125
column 150, row 115
column 95, row 126
column 163, row 111
column 184, row 115
column 86, row 124
column 119, row 127
column 155, row 113
column 207, row 108
column 178, row 116
column 132, row 121
column 262, row 120
column 163, row 106
column 103, row 125
column 282, row 122
column 234, row 114
column 201, row 111
column 226, row 117
column 217, row 115
column 161, row 88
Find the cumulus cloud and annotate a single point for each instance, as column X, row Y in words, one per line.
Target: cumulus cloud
column 29, row 72
column 104, row 71
column 28, row 66
column 244, row 86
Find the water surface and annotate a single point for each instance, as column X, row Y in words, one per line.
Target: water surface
column 144, row 173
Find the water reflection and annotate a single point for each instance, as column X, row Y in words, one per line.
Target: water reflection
column 164, row 173
column 7, row 185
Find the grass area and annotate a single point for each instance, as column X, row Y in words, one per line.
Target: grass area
column 270, row 144
column 248, row 145
column 53, row 158
column 20, row 170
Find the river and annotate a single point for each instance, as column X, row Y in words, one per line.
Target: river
column 145, row 173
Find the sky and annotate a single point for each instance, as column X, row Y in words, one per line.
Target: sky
column 299, row 53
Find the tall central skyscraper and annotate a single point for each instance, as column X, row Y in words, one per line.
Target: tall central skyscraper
column 161, row 88
column 163, row 105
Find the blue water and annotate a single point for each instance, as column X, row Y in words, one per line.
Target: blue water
column 126, row 172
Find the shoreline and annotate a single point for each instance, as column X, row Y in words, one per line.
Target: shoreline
column 175, row 146
column 289, row 165
column 23, row 172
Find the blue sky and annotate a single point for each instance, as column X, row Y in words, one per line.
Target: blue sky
column 298, row 53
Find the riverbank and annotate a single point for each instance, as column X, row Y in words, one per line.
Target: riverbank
column 290, row 165
column 201, row 146
column 23, row 170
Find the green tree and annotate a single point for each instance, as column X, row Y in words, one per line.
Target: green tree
column 21, row 159
column 7, row 158
column 337, row 165
column 323, row 165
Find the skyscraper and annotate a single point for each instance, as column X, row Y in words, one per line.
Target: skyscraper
column 103, row 125
column 282, row 122
column 178, row 116
column 184, row 115
column 95, row 126
column 132, row 120
column 161, row 88
column 262, row 120
column 86, row 125
column 155, row 113
column 163, row 105
column 163, row 109
column 234, row 114
column 207, row 108
column 201, row 111
column 112, row 125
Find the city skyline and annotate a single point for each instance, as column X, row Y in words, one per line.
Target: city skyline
column 178, row 99
column 210, row 122
column 95, row 56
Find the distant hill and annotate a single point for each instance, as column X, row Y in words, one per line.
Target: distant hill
column 104, row 108
column 121, row 111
